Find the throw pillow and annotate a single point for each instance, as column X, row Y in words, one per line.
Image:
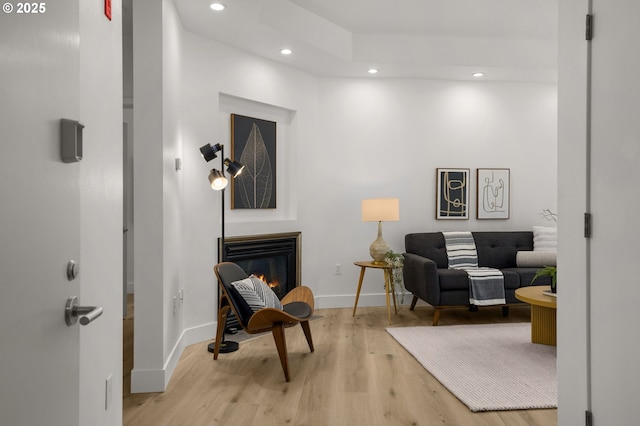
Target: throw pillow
column 545, row 238
column 535, row 259
column 257, row 293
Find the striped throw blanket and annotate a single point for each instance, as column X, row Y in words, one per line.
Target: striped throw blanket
column 486, row 285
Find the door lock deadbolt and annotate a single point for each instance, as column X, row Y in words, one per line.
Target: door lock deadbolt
column 72, row 270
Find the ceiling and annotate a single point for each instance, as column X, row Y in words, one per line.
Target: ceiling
column 508, row 40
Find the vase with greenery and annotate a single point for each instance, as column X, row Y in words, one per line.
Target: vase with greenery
column 396, row 261
column 548, row 271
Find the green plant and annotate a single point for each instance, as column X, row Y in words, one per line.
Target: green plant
column 396, row 261
column 548, row 271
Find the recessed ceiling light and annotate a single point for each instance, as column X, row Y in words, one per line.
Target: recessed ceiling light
column 478, row 74
column 217, row 6
column 286, row 51
column 373, row 70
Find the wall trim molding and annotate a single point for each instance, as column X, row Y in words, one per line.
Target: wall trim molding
column 143, row 381
column 365, row 300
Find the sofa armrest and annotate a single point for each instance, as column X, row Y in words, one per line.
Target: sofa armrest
column 421, row 278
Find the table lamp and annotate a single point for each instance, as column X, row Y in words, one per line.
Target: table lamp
column 379, row 210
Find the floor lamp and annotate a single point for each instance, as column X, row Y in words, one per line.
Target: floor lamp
column 218, row 183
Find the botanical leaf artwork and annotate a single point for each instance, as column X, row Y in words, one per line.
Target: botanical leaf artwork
column 255, row 185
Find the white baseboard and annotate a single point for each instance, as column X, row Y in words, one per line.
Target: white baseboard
column 200, row 333
column 143, row 381
column 347, row 301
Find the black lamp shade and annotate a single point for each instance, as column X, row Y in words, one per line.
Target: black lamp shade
column 209, row 152
column 233, row 167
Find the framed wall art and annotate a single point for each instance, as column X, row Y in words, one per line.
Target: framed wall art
column 452, row 194
column 253, row 143
column 493, row 186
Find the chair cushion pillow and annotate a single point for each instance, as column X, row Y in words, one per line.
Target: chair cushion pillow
column 256, row 293
column 298, row 309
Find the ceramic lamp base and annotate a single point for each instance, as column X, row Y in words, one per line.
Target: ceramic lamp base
column 379, row 248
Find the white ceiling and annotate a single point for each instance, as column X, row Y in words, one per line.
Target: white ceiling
column 508, row 40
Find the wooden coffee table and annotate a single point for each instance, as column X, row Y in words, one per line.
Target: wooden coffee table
column 543, row 313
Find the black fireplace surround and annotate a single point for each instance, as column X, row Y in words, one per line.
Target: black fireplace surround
column 273, row 257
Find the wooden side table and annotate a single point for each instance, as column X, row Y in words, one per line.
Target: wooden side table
column 387, row 285
column 543, row 313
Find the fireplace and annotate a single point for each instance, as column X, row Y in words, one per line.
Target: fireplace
column 273, row 257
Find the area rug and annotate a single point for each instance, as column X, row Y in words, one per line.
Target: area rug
column 488, row 367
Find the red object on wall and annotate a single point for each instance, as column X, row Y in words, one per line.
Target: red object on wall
column 107, row 9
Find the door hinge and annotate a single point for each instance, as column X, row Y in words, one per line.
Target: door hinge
column 587, row 225
column 589, row 28
column 588, row 418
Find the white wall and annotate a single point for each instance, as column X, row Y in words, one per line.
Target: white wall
column 101, row 211
column 385, row 138
column 157, row 201
column 172, row 200
column 339, row 141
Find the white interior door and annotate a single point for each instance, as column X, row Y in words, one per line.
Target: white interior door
column 39, row 219
column 615, row 195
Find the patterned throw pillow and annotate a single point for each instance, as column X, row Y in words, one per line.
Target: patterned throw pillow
column 257, row 293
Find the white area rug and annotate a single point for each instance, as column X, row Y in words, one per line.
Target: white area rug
column 487, row 367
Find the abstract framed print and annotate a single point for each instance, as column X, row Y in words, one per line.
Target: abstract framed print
column 452, row 193
column 494, row 187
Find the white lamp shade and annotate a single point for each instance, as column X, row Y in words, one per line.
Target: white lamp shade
column 381, row 210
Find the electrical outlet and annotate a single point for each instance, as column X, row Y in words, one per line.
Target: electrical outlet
column 338, row 269
column 108, row 392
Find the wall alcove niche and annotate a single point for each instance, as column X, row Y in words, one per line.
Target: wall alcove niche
column 286, row 155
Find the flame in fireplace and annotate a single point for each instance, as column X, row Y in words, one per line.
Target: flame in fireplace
column 272, row 285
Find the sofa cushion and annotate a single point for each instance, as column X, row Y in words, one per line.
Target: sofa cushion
column 429, row 245
column 495, row 249
column 498, row 249
column 455, row 279
column 511, row 279
column 526, row 275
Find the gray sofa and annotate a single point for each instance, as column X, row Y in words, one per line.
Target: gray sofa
column 427, row 276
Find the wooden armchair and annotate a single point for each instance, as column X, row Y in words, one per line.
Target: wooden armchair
column 297, row 307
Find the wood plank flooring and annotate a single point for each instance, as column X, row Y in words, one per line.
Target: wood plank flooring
column 358, row 375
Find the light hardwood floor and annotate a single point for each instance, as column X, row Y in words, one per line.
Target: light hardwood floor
column 358, row 375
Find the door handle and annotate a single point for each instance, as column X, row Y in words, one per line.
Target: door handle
column 73, row 311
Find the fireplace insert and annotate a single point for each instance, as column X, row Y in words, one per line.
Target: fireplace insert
column 273, row 257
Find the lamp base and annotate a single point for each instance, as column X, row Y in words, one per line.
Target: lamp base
column 379, row 248
column 225, row 347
